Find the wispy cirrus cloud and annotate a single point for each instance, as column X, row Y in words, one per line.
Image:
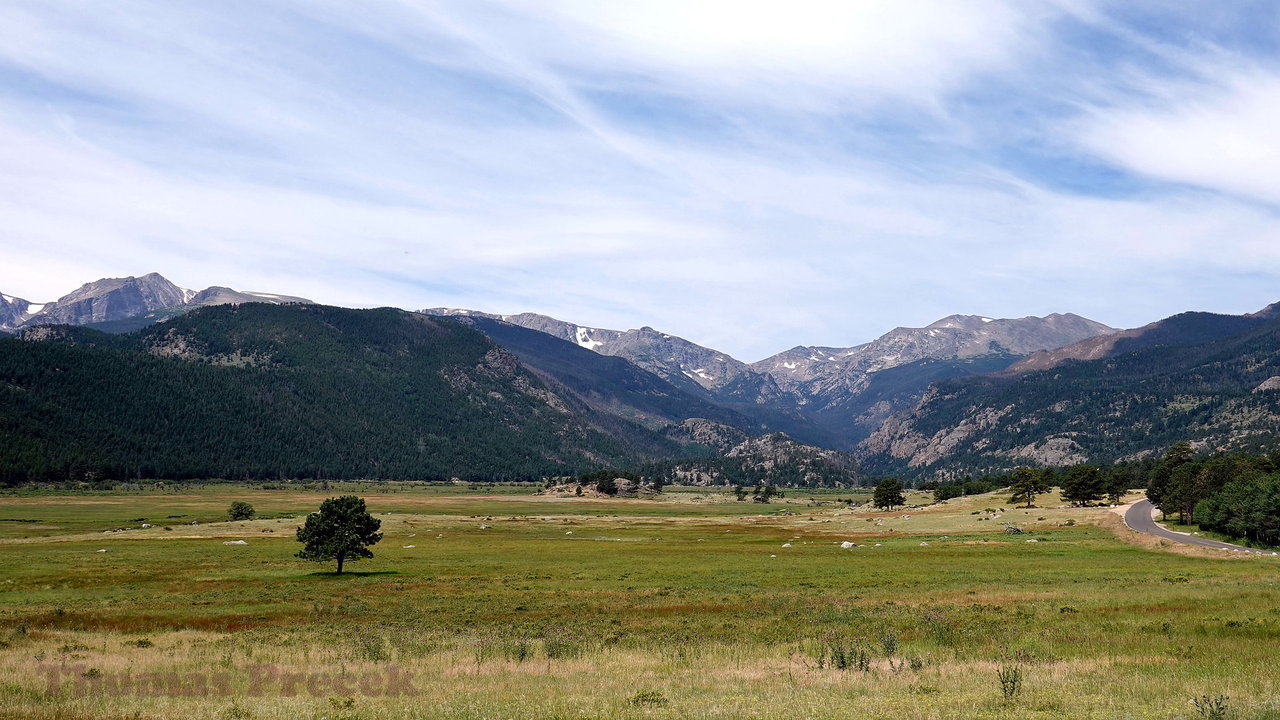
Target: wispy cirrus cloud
column 748, row 175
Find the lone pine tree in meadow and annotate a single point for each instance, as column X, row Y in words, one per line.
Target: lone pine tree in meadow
column 889, row 494
column 340, row 530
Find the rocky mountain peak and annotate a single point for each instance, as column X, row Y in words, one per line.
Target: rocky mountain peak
column 966, row 322
column 954, row 336
column 111, row 299
column 1181, row 329
column 1268, row 312
column 218, row 295
column 133, row 301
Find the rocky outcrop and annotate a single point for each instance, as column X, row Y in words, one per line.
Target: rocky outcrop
column 1195, row 377
column 899, row 439
column 1271, row 383
column 699, row 431
column 773, row 458
column 1051, row 452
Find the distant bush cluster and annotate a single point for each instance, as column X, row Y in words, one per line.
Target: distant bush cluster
column 613, row 482
column 948, row 489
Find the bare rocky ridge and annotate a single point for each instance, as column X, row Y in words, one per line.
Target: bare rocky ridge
column 956, row 336
column 218, row 295
column 808, row 372
column 671, row 358
column 1182, row 329
column 129, row 303
column 111, row 299
column 851, row 388
column 828, row 395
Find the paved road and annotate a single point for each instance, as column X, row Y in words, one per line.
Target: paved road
column 1139, row 517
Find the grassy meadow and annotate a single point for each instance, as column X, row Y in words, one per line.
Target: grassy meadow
column 492, row 602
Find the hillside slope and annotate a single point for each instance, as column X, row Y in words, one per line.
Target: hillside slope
column 608, row 384
column 258, row 391
column 831, row 397
column 1188, row 328
column 1220, row 394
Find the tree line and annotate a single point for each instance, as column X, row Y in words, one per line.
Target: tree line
column 1236, row 494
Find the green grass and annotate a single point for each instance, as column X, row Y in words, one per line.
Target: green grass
column 50, row 514
column 571, row 608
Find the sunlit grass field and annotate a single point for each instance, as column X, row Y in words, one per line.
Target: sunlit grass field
column 498, row 603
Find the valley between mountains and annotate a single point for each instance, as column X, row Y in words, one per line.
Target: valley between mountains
column 238, row 384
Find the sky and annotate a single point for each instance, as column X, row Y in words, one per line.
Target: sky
column 748, row 175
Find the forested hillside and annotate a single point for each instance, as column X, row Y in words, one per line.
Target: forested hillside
column 1217, row 394
column 609, row 384
column 262, row 391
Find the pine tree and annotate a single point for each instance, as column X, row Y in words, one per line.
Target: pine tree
column 889, row 494
column 1026, row 485
column 340, row 530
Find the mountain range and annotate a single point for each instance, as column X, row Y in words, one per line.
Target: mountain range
column 963, row 394
column 122, row 304
column 824, row 395
column 1200, row 377
column 261, row 391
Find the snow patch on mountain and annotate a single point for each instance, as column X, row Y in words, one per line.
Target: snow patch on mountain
column 584, row 339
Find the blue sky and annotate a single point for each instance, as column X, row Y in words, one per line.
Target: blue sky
column 749, row 175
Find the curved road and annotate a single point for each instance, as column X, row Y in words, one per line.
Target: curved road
column 1139, row 517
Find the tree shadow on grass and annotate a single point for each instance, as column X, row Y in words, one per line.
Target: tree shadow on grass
column 351, row 573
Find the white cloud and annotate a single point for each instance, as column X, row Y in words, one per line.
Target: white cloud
column 796, row 56
column 453, row 153
column 856, row 43
column 1218, row 135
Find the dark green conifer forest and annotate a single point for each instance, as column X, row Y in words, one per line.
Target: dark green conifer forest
column 265, row 392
